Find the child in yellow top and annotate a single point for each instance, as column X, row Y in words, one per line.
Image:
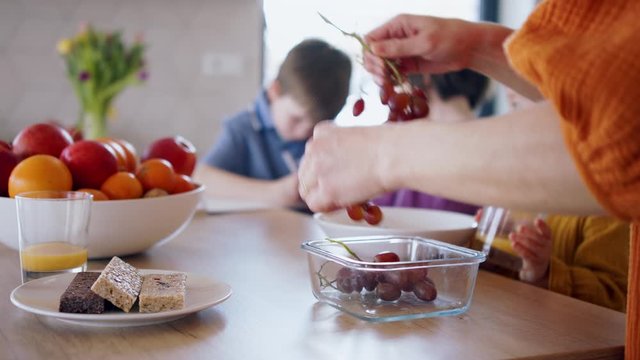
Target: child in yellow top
column 586, row 257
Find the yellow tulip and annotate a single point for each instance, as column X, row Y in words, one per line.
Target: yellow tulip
column 64, row 46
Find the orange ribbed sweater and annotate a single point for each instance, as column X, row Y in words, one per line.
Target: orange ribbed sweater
column 584, row 56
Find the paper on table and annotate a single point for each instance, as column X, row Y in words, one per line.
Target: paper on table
column 216, row 205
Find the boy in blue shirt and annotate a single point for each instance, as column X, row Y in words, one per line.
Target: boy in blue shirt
column 257, row 152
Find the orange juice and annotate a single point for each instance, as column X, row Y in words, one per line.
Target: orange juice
column 501, row 258
column 52, row 257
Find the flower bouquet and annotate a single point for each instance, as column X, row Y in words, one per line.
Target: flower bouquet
column 100, row 66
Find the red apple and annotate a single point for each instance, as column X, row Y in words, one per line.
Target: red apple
column 179, row 151
column 90, row 163
column 5, row 145
column 75, row 133
column 41, row 138
column 73, row 130
column 8, row 160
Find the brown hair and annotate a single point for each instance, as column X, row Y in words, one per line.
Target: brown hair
column 317, row 75
column 468, row 83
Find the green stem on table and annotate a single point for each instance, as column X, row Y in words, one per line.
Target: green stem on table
column 394, row 69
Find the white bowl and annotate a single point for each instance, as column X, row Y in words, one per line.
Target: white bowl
column 121, row 227
column 451, row 227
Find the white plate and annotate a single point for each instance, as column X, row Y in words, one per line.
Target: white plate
column 42, row 297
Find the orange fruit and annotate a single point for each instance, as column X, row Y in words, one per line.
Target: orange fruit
column 39, row 172
column 155, row 192
column 183, row 184
column 130, row 152
column 156, row 173
column 121, row 154
column 97, row 194
column 122, row 185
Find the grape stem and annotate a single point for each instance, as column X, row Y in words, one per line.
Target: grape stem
column 324, row 282
column 345, row 247
column 394, row 69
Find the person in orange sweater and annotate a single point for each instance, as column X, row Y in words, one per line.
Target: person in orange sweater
column 574, row 151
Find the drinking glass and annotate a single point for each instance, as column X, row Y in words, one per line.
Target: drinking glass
column 492, row 238
column 53, row 229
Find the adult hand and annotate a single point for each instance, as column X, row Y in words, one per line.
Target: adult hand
column 423, row 44
column 534, row 244
column 340, row 166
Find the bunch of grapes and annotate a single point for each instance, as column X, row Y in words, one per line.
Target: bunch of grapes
column 388, row 285
column 405, row 101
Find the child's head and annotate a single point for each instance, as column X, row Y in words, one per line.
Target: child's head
column 312, row 85
column 464, row 83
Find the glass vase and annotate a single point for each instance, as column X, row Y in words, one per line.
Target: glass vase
column 94, row 123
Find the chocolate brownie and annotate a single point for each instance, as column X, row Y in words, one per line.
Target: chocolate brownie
column 78, row 297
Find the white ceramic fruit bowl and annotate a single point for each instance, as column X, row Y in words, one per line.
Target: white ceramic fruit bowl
column 121, row 227
column 451, row 227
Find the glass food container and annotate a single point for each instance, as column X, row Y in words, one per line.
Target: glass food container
column 430, row 279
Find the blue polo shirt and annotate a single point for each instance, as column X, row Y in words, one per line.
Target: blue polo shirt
column 250, row 145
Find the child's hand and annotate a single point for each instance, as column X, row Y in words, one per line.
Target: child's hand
column 534, row 245
column 287, row 190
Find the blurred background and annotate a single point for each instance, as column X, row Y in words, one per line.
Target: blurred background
column 206, row 59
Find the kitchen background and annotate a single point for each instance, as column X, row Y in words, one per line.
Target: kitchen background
column 204, row 62
column 207, row 59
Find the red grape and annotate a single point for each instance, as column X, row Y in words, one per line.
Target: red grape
column 419, row 107
column 369, row 280
column 400, row 278
column 425, row 290
column 358, row 107
column 405, row 116
column 416, row 275
column 348, row 280
column 386, row 256
column 355, row 212
column 399, row 101
column 388, row 292
column 372, row 214
column 386, row 90
column 418, row 93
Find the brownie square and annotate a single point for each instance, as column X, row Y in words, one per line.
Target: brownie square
column 78, row 297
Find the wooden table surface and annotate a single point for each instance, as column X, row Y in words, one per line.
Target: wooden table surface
column 272, row 313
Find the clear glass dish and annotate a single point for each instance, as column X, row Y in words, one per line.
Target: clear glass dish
column 339, row 279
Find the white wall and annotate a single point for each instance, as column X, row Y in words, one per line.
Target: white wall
column 179, row 98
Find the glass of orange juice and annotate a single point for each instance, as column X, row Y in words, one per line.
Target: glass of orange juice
column 53, row 228
column 492, row 237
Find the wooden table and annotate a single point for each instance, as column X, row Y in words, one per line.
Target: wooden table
column 272, row 313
